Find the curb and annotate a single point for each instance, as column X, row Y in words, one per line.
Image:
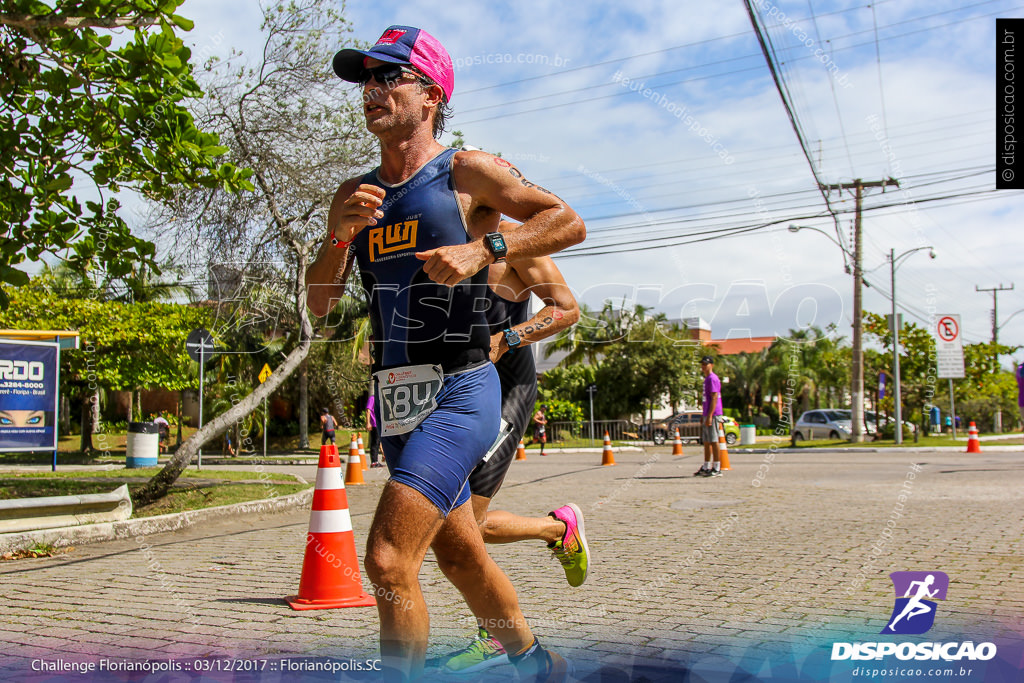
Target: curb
column 891, row 449
column 111, row 531
column 617, row 449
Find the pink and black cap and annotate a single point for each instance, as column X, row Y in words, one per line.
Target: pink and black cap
column 402, row 45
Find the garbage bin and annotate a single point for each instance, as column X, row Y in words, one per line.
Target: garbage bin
column 143, row 445
column 748, row 435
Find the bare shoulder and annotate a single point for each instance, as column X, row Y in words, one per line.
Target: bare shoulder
column 476, row 165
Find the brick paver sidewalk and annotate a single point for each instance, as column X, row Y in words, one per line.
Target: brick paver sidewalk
column 699, row 573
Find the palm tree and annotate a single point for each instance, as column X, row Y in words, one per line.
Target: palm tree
column 589, row 338
column 746, row 373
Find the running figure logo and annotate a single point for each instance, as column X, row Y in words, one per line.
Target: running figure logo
column 913, row 613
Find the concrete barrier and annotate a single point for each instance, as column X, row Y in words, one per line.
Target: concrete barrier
column 31, row 514
column 127, row 528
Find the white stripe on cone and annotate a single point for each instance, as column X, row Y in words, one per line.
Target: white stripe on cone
column 329, row 521
column 328, row 478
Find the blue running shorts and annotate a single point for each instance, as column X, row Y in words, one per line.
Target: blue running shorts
column 437, row 457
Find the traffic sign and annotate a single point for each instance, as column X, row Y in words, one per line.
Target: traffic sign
column 199, row 339
column 948, row 328
column 949, row 348
column 265, row 373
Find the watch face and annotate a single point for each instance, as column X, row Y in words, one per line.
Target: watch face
column 497, row 245
column 512, row 338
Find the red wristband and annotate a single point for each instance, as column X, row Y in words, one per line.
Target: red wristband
column 338, row 243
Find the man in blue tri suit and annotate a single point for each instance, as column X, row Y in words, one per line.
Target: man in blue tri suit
column 423, row 227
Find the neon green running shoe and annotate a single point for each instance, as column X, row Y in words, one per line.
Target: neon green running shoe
column 483, row 653
column 572, row 550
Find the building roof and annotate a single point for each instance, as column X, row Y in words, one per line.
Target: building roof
column 66, row 338
column 728, row 347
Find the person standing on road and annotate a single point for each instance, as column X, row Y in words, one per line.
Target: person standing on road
column 510, row 286
column 1020, row 393
column 710, row 416
column 422, row 227
column 327, row 427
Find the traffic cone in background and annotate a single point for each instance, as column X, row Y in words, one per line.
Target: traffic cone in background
column 723, row 448
column 362, row 453
column 677, row 445
column 330, row 569
column 354, row 471
column 973, row 443
column 520, row 451
column 607, row 455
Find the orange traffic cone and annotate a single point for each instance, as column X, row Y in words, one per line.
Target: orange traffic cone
column 354, row 471
column 330, row 569
column 677, row 445
column 520, row 451
column 723, row 448
column 362, row 453
column 607, row 455
column 973, row 443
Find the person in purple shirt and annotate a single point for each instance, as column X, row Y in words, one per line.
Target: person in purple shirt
column 371, row 431
column 1020, row 391
column 712, row 466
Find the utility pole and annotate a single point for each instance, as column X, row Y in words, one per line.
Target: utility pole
column 995, row 306
column 995, row 334
column 857, row 379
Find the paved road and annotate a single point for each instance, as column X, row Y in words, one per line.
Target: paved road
column 704, row 575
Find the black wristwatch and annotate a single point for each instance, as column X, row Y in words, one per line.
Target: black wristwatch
column 496, row 244
column 512, row 338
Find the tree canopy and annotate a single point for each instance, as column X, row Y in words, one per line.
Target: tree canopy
column 124, row 346
column 80, row 116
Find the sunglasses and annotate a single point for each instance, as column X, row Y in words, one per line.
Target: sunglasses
column 385, row 74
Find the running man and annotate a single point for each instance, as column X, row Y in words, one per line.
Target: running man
column 422, row 227
column 510, row 287
column 540, row 428
column 327, row 427
column 914, row 606
column 712, row 466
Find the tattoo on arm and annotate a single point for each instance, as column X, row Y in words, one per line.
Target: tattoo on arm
column 537, row 326
column 526, row 183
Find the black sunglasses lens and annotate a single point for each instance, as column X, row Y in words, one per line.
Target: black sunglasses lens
column 387, row 73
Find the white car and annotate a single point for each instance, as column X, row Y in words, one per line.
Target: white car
column 827, row 423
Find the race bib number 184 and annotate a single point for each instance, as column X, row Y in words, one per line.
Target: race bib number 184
column 407, row 396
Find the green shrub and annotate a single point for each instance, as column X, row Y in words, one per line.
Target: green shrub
column 889, row 431
column 561, row 411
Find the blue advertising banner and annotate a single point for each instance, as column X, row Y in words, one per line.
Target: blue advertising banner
column 28, row 396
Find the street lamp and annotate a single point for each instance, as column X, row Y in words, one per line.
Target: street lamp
column 894, row 263
column 857, row 371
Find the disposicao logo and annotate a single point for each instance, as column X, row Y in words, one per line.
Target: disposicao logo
column 912, row 614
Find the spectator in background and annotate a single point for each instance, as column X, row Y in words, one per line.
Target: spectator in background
column 1020, row 391
column 164, row 429
column 373, row 437
column 710, row 418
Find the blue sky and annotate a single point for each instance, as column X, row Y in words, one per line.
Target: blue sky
column 556, row 88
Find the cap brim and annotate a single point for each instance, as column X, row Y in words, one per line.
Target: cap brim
column 348, row 63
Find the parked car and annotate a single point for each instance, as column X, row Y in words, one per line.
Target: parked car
column 828, row 423
column 688, row 423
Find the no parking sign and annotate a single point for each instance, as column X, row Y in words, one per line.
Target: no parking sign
column 949, row 348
